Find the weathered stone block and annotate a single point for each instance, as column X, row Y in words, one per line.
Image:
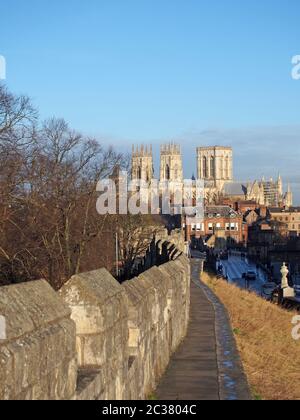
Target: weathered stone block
column 39, row 334
column 99, row 307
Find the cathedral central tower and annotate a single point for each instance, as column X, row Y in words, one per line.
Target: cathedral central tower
column 214, row 164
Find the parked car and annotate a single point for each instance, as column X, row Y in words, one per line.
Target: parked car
column 250, row 276
column 224, row 256
column 268, row 290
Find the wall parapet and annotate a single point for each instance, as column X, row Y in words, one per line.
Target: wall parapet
column 95, row 339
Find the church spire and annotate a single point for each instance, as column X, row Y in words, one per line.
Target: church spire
column 289, row 197
column 280, row 186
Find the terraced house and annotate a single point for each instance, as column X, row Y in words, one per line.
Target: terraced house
column 221, row 221
column 288, row 220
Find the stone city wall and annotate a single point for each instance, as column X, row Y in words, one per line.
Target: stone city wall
column 175, row 237
column 95, row 339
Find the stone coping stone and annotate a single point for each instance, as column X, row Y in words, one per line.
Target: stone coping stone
column 96, row 286
column 27, row 307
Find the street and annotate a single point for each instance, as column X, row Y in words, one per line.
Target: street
column 236, row 266
column 197, row 254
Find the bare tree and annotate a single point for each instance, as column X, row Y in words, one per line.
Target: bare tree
column 135, row 233
column 17, row 119
column 48, row 176
column 61, row 197
column 49, row 226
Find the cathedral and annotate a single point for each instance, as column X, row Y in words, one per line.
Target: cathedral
column 215, row 168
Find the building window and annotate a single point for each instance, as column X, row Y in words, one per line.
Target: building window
column 227, row 175
column 221, row 167
column 212, row 167
column 168, row 174
column 205, row 168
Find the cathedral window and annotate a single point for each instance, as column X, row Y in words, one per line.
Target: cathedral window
column 212, row 167
column 168, row 174
column 205, row 168
column 221, row 167
column 227, row 168
column 139, row 174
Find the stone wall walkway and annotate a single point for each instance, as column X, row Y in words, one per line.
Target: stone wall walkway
column 207, row 365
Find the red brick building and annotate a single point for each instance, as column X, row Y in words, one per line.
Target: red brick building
column 221, row 221
column 242, row 206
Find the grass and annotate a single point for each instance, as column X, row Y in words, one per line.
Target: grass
column 152, row 397
column 263, row 331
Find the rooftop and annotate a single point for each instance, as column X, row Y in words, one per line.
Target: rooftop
column 215, row 148
column 235, row 188
column 220, row 211
column 284, row 210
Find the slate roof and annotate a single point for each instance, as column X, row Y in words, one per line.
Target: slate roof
column 235, row 188
column 282, row 210
column 221, row 211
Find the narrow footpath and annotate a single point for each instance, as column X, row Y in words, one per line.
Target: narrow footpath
column 207, row 365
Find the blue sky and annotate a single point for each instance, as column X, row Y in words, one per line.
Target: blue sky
column 197, row 72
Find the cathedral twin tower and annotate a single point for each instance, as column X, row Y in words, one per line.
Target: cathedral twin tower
column 214, row 164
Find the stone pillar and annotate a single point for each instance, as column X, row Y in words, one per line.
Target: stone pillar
column 200, row 170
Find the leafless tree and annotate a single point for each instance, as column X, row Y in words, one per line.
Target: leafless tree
column 17, row 119
column 135, row 233
column 48, row 177
column 49, row 226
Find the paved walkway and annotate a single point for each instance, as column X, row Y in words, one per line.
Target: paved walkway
column 206, row 366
